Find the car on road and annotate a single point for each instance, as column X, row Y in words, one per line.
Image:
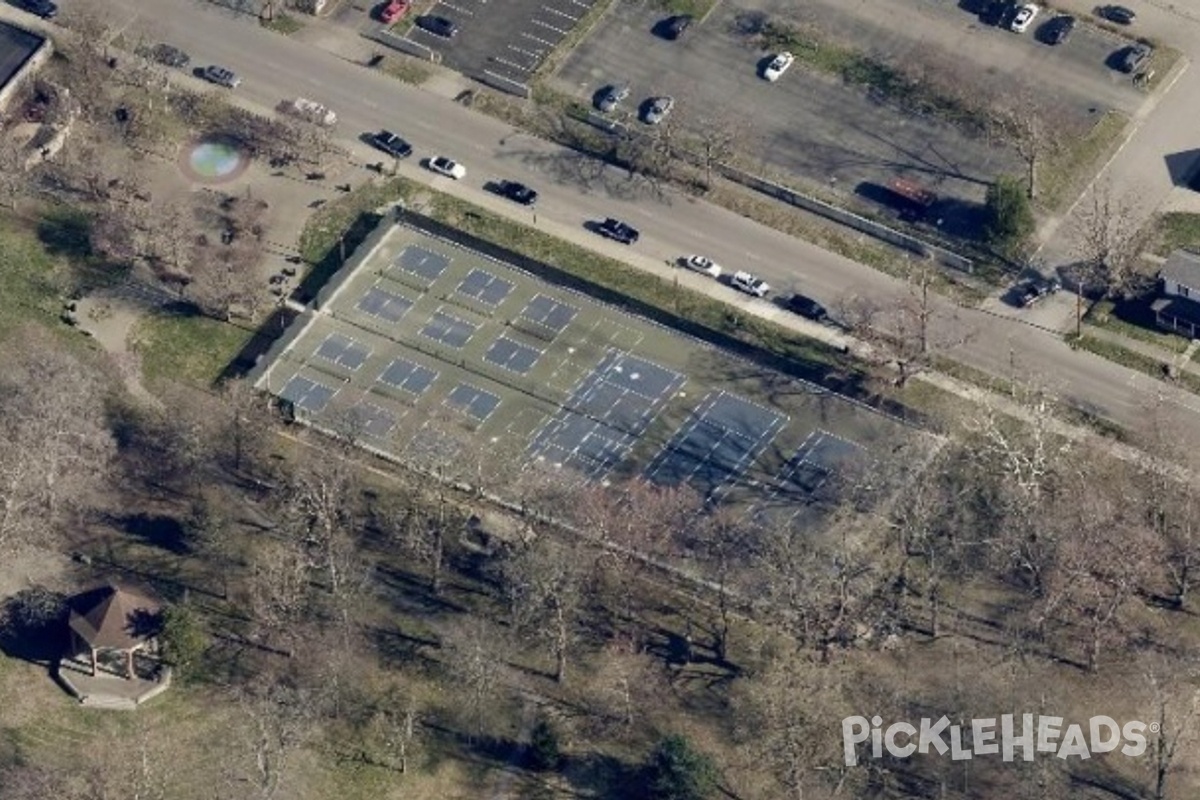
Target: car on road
column 658, row 109
column 1034, row 288
column 438, row 26
column 1135, row 56
column 612, row 97
column 1118, row 14
column 40, row 8
column 806, row 307
column 618, row 231
column 676, row 26
column 393, row 11
column 1058, row 30
column 390, row 143
column 779, row 65
column 703, row 265
column 750, row 284
column 1026, row 14
column 169, row 55
column 517, row 192
column 448, row 167
column 221, row 76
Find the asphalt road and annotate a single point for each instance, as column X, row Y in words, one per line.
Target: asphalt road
column 575, row 189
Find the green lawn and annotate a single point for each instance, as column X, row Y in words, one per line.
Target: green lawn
column 1062, row 175
column 1101, row 316
column 1175, row 230
column 31, row 280
column 284, row 23
column 187, row 349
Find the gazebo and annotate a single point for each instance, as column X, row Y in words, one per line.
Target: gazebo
column 112, row 619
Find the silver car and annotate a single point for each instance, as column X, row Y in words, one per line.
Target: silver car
column 221, row 76
column 658, row 109
column 612, row 97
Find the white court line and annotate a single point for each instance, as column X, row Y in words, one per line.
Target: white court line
column 581, row 5
column 560, row 13
column 539, row 41
column 559, row 31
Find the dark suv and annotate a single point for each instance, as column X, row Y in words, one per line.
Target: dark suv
column 41, row 8
column 1058, row 30
column 1118, row 14
column 677, row 26
column 438, row 26
column 807, row 307
column 1134, row 57
column 391, row 144
column 617, row 231
column 1034, row 288
column 517, row 192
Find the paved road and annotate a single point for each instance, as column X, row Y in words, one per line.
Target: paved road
column 575, row 189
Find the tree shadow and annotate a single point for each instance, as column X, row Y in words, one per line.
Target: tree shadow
column 66, row 232
column 164, row 532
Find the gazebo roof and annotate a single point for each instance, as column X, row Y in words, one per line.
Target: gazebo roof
column 113, row 617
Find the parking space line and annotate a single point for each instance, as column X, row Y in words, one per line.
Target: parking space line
column 581, row 5
column 559, row 31
column 560, row 13
column 536, row 39
column 500, row 60
column 456, row 8
column 534, row 56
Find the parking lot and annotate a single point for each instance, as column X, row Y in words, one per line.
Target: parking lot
column 812, row 125
column 508, row 38
column 421, row 336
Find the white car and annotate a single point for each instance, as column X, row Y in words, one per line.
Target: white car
column 311, row 111
column 1026, row 14
column 705, row 266
column 448, row 167
column 779, row 65
column 745, row 282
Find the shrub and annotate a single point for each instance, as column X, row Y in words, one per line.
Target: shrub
column 677, row 771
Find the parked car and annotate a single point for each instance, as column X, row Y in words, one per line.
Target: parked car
column 393, row 11
column 393, row 145
column 703, row 265
column 779, row 65
column 1118, row 14
column 448, row 167
column 1032, row 289
column 1058, row 30
column 517, row 192
column 1026, row 14
column 170, row 55
column 676, row 26
column 310, row 111
column 807, row 307
column 41, row 8
column 612, row 97
column 618, row 231
column 750, row 284
column 999, row 12
column 438, row 26
column 221, row 76
column 658, row 109
column 1135, row 56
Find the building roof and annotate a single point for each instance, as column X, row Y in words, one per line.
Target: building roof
column 113, row 617
column 1179, row 308
column 1182, row 266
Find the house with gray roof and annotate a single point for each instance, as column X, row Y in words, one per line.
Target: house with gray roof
column 1178, row 310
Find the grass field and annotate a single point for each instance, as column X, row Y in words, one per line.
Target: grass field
column 1065, row 171
column 190, row 349
column 1175, row 230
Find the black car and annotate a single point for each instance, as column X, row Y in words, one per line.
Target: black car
column 1118, row 14
column 1135, row 56
column 1034, row 288
column 517, row 192
column 676, row 26
column 1058, row 30
column 618, row 231
column 999, row 12
column 170, row 55
column 392, row 144
column 41, row 8
column 807, row 307
column 438, row 26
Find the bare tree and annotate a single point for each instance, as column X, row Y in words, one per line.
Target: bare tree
column 1032, row 130
column 474, row 653
column 1176, row 708
column 911, row 331
column 279, row 717
column 1107, row 242
column 395, row 728
column 544, row 582
column 57, row 443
